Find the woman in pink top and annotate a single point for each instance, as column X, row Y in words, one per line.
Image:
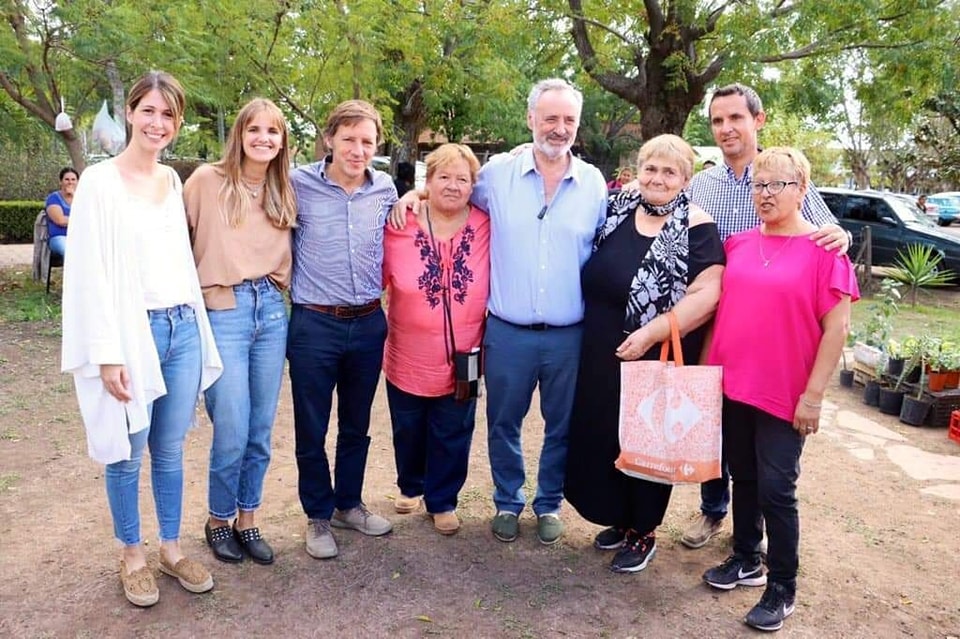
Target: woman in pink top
column 781, row 324
column 436, row 271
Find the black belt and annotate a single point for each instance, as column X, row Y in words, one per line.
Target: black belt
column 531, row 327
column 345, row 312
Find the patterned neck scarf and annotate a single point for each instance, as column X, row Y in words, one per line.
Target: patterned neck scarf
column 661, row 279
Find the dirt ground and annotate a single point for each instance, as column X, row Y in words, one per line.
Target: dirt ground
column 880, row 515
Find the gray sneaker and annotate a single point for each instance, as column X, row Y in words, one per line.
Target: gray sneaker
column 320, row 541
column 506, row 526
column 359, row 518
column 549, row 528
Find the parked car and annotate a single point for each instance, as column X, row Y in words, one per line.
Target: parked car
column 894, row 224
column 933, row 211
column 948, row 205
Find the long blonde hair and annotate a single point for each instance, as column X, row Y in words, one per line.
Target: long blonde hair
column 279, row 202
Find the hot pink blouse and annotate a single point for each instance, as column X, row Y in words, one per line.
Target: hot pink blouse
column 415, row 355
column 767, row 329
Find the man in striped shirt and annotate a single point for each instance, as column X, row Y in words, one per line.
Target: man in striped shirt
column 725, row 192
column 337, row 328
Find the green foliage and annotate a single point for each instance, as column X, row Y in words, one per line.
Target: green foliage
column 23, row 300
column 16, row 221
column 917, row 266
column 878, row 324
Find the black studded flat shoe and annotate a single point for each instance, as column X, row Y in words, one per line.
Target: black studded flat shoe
column 255, row 546
column 222, row 543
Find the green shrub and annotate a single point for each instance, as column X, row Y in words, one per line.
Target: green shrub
column 16, row 221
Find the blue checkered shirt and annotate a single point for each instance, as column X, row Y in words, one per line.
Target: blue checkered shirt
column 730, row 201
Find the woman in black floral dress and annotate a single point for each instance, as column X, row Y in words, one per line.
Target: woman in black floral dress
column 656, row 253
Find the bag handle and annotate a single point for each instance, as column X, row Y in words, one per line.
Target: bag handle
column 675, row 339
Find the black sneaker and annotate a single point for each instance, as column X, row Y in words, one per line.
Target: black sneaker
column 775, row 605
column 610, row 538
column 735, row 571
column 635, row 554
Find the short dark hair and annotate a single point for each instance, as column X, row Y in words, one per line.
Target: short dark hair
column 754, row 105
column 67, row 169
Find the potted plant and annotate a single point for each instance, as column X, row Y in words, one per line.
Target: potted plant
column 911, row 350
column 895, row 358
column 951, row 362
column 937, row 376
column 879, row 323
column 914, row 409
column 871, row 390
column 846, row 374
column 918, row 265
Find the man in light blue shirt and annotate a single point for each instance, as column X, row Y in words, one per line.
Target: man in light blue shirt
column 545, row 207
column 337, row 328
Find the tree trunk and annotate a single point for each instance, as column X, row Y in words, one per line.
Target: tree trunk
column 410, row 115
column 74, row 148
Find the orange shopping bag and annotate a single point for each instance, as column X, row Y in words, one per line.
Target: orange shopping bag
column 670, row 418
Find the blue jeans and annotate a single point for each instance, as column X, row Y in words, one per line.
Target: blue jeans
column 715, row 495
column 517, row 359
column 242, row 403
column 178, row 345
column 431, row 445
column 764, row 456
column 327, row 352
column 58, row 244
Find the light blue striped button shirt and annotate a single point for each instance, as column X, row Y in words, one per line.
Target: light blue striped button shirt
column 729, row 201
column 535, row 260
column 338, row 242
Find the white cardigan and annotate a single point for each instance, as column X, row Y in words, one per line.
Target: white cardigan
column 105, row 318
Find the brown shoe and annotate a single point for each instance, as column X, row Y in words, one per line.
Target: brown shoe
column 191, row 574
column 702, row 530
column 404, row 504
column 139, row 586
column 446, row 523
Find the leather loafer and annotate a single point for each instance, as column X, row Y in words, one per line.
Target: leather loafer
column 251, row 541
column 224, row 546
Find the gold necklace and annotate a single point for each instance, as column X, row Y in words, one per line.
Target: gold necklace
column 253, row 189
column 767, row 260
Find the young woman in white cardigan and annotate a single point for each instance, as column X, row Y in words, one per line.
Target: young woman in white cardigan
column 135, row 333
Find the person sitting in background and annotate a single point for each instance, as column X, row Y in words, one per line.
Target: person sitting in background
column 922, row 203
column 406, row 175
column 707, row 164
column 623, row 175
column 795, row 296
column 436, row 271
column 57, row 207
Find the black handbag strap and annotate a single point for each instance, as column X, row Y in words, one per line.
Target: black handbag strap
column 449, row 340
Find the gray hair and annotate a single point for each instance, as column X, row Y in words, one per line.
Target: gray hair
column 552, row 84
column 753, row 100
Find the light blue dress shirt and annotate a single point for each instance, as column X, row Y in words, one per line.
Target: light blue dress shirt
column 536, row 253
column 338, row 240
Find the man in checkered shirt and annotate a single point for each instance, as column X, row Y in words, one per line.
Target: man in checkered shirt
column 725, row 192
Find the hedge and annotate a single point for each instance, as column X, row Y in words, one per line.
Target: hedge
column 16, row 221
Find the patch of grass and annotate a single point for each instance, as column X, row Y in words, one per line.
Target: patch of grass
column 936, row 314
column 23, row 300
column 7, row 481
column 10, row 434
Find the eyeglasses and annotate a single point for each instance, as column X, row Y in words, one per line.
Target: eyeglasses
column 773, row 188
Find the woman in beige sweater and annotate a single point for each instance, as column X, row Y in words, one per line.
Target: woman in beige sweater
column 240, row 211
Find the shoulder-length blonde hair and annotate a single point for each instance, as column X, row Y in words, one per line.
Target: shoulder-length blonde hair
column 279, row 201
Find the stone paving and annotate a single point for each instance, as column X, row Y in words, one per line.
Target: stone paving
column 16, row 254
